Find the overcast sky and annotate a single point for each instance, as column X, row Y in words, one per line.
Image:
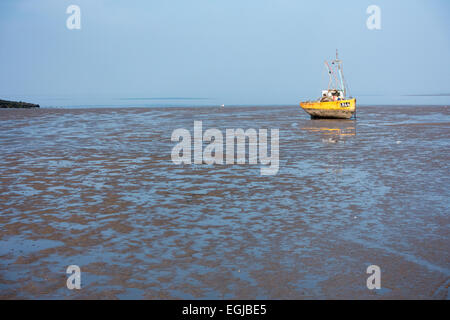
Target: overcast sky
column 233, row 51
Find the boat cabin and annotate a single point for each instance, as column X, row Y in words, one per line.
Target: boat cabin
column 332, row 95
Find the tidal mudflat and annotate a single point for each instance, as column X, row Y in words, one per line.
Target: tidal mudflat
column 96, row 187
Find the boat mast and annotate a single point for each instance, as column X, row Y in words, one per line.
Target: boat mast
column 333, row 79
column 341, row 75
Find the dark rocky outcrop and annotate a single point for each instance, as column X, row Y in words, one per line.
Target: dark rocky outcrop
column 14, row 104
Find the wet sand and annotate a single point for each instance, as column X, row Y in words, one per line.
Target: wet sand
column 97, row 188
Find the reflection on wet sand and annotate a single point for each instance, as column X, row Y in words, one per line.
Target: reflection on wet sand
column 333, row 127
column 334, row 131
column 97, row 188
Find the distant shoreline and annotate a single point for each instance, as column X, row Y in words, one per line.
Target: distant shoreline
column 17, row 104
column 157, row 106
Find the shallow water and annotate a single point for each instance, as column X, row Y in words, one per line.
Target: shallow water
column 97, row 188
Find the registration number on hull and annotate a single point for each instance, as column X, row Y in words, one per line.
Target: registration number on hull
column 345, row 104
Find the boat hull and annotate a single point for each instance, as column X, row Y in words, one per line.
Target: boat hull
column 342, row 109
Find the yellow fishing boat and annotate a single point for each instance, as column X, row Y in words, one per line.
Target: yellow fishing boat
column 334, row 103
